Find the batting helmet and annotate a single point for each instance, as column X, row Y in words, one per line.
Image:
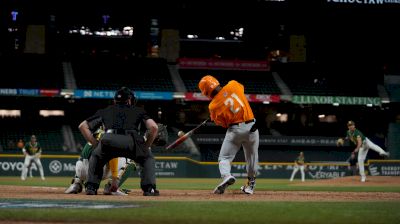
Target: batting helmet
column 122, row 95
column 207, row 85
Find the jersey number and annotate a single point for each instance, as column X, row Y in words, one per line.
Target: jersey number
column 229, row 102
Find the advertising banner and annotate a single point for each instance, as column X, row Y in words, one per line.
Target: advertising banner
column 64, row 165
column 220, row 64
column 8, row 92
column 107, row 94
column 252, row 98
column 29, row 92
column 304, row 99
column 49, row 92
column 272, row 140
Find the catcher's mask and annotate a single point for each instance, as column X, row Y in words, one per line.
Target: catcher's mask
column 123, row 95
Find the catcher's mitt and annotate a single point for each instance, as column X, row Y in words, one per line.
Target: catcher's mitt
column 340, row 142
column 162, row 135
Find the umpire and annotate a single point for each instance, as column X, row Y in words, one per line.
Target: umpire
column 121, row 121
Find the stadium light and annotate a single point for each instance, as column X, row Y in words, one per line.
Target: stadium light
column 47, row 113
column 10, row 113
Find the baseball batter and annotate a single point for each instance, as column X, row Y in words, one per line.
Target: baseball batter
column 116, row 171
column 363, row 144
column 230, row 109
column 32, row 152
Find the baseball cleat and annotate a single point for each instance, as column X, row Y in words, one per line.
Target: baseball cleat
column 249, row 187
column 363, row 178
column 220, row 189
column 119, row 193
column 151, row 192
column 75, row 188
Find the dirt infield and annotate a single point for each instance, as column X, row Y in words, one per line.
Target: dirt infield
column 29, row 192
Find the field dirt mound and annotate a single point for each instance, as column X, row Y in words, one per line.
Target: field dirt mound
column 231, row 194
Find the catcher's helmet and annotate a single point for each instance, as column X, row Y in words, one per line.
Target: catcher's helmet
column 350, row 123
column 207, row 85
column 122, row 95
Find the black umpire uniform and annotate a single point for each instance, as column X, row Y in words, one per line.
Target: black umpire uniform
column 121, row 139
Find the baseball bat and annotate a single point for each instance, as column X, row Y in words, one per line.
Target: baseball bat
column 186, row 136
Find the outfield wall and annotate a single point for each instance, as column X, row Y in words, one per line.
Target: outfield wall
column 64, row 165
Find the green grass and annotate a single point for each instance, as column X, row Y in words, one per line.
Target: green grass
column 213, row 211
column 220, row 212
column 205, row 184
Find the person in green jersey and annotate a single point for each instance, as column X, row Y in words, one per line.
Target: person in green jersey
column 362, row 146
column 32, row 152
column 299, row 164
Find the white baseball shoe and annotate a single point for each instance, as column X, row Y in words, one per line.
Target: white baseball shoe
column 249, row 187
column 119, row 193
column 228, row 180
column 363, row 178
column 75, row 187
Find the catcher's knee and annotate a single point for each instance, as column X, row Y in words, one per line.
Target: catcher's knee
column 81, row 169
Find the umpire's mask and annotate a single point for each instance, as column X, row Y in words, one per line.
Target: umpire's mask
column 123, row 95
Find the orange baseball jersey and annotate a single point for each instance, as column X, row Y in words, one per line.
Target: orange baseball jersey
column 230, row 105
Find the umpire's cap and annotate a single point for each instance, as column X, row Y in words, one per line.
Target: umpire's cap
column 123, row 94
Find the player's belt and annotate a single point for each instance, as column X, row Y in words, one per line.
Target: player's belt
column 246, row 122
column 120, row 131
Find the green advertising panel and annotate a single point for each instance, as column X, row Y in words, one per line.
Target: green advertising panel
column 64, row 165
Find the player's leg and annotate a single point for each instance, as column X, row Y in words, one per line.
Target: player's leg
column 30, row 168
column 110, row 174
column 147, row 175
column 229, row 148
column 375, row 147
column 81, row 169
column 362, row 155
column 97, row 161
column 295, row 169
column 27, row 163
column 39, row 165
column 124, row 169
column 302, row 173
column 250, row 149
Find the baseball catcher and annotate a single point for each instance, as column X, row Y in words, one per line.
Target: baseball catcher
column 116, row 171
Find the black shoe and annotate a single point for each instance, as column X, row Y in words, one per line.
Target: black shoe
column 151, row 192
column 91, row 189
column 91, row 192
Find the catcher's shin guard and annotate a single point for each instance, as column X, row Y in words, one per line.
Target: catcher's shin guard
column 129, row 168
